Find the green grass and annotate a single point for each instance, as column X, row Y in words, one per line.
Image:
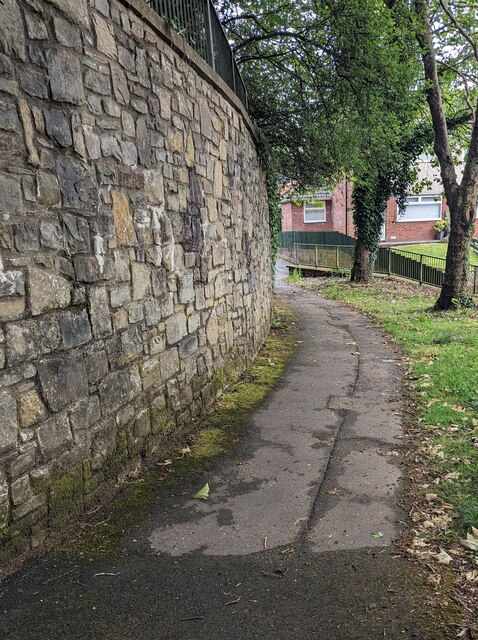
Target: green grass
column 437, row 250
column 442, row 350
column 295, row 276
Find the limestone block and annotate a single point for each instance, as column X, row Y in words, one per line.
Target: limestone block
column 205, row 117
column 77, row 184
column 123, row 221
column 152, row 312
column 194, row 322
column 12, row 30
column 4, row 501
column 58, row 126
column 212, row 329
column 33, row 82
column 98, row 82
column 51, row 236
column 120, row 85
column 218, row 179
column 28, row 131
column 105, row 40
column 65, row 74
column 78, row 139
column 31, row 338
column 85, row 413
column 99, row 312
column 11, row 283
column 47, row 291
column 154, row 187
column 67, row 34
column 63, row 380
column 186, row 287
column 8, row 117
column 54, row 434
column 143, row 141
column 11, row 308
column 77, row 234
column 27, row 235
column 169, row 361
column 22, row 463
column 10, row 194
column 141, row 280
column 9, row 421
column 129, row 127
column 96, row 366
column 75, row 329
column 176, row 327
column 120, row 295
column 31, row 409
column 188, row 346
column 118, row 389
column 21, row 490
column 75, row 10
column 189, row 155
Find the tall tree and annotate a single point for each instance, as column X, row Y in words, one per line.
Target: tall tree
column 455, row 23
column 330, row 89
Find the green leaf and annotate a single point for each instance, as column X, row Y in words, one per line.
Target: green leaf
column 377, row 534
column 203, row 494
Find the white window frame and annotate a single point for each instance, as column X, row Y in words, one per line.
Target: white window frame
column 420, row 201
column 320, row 210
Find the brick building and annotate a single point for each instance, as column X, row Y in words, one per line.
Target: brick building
column 332, row 211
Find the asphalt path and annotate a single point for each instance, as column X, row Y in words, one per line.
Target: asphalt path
column 296, row 538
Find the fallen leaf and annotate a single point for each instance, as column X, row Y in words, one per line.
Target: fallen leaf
column 454, row 475
column 443, row 557
column 299, row 520
column 377, row 534
column 203, row 494
column 472, row 576
column 471, row 541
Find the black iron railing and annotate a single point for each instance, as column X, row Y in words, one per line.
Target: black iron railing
column 197, row 22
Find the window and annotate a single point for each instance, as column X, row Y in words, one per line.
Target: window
column 420, row 208
column 314, row 212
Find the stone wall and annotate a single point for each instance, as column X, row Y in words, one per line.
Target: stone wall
column 134, row 244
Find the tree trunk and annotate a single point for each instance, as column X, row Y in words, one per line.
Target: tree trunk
column 361, row 271
column 457, row 256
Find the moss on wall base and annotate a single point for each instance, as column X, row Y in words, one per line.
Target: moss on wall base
column 189, row 456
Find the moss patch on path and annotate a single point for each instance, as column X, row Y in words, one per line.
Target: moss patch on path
column 185, row 463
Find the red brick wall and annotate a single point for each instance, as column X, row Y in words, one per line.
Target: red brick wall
column 335, row 211
column 398, row 231
column 286, row 221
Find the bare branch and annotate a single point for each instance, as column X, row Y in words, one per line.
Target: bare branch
column 459, row 27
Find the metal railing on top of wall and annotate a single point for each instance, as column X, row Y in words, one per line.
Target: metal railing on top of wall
column 197, row 22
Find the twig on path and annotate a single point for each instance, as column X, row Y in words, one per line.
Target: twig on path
column 60, row 576
column 265, row 542
column 191, row 618
column 105, row 573
column 232, row 601
column 271, row 575
column 95, row 524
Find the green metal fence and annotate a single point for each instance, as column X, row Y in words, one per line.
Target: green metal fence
column 398, row 262
column 287, row 239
